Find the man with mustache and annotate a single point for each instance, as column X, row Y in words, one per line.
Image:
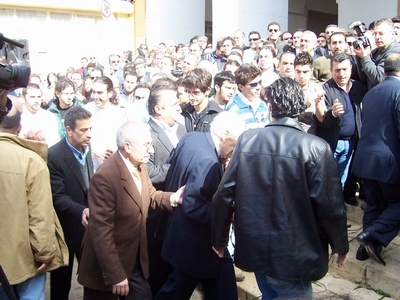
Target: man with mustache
column 71, row 168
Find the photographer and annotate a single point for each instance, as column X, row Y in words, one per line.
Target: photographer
column 370, row 63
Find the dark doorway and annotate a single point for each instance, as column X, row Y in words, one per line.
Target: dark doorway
column 317, row 21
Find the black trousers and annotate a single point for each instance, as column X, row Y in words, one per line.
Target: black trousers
column 382, row 215
column 139, row 289
column 181, row 286
column 60, row 280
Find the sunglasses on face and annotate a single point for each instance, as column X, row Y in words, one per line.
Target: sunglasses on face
column 275, row 30
column 287, row 38
column 253, row 39
column 254, row 84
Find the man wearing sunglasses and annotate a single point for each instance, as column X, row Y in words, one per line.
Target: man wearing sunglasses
column 250, row 54
column 274, row 32
column 247, row 103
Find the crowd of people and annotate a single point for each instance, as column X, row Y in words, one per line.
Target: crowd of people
column 145, row 168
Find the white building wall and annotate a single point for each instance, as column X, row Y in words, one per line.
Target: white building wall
column 365, row 11
column 248, row 15
column 59, row 39
column 178, row 20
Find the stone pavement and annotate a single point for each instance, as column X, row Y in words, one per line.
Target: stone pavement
column 356, row 280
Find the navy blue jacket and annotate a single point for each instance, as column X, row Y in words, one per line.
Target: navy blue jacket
column 378, row 153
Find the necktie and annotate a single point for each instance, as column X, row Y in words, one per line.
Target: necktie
column 138, row 182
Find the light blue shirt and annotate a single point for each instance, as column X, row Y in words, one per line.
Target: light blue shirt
column 80, row 157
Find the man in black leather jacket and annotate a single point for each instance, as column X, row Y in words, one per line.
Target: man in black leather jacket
column 284, row 187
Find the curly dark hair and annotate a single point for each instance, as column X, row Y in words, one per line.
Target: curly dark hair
column 286, row 98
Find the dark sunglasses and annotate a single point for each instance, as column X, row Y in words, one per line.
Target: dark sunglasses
column 253, row 40
column 270, row 30
column 254, row 84
column 287, row 38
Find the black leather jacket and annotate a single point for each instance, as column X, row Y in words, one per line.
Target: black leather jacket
column 284, row 187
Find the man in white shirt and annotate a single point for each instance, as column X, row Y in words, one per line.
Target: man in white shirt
column 37, row 124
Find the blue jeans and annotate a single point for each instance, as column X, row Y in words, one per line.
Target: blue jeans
column 30, row 289
column 272, row 288
column 343, row 153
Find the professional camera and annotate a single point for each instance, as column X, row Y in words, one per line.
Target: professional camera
column 13, row 75
column 359, row 29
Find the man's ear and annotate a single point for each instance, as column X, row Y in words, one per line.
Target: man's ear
column 207, row 92
column 217, row 88
column 69, row 130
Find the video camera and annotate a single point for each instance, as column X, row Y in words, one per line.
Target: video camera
column 12, row 75
column 358, row 28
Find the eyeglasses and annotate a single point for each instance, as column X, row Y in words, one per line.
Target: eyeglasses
column 147, row 146
column 253, row 39
column 140, row 98
column 287, row 38
column 193, row 94
column 254, row 84
column 275, row 30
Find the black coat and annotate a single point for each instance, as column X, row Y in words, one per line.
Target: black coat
column 69, row 191
column 203, row 124
column 284, row 187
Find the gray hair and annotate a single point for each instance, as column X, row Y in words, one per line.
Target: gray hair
column 129, row 131
column 227, row 124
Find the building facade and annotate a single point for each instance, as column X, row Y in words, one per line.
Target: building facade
column 60, row 32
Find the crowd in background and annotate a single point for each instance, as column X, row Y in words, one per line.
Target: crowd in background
column 182, row 88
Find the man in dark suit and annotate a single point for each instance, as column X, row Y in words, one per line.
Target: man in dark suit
column 71, row 167
column 377, row 162
column 197, row 162
column 165, row 132
column 114, row 259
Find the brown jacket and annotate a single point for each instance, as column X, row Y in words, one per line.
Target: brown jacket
column 115, row 239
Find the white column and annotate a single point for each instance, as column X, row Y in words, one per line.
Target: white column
column 248, row 15
column 178, row 20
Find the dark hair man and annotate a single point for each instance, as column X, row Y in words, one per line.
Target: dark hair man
column 376, row 162
column 276, row 178
column 313, row 93
column 274, row 32
column 71, row 168
column 64, row 100
column 247, row 103
column 225, row 88
column 200, row 111
column 341, row 126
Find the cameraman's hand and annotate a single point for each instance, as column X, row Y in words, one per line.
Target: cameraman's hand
column 362, row 52
column 3, row 60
